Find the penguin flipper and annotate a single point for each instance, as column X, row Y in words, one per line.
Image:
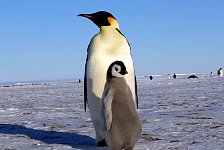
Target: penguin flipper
column 85, row 78
column 107, row 105
column 85, row 92
column 85, row 85
column 136, row 92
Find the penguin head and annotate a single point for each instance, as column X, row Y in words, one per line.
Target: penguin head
column 102, row 18
column 116, row 69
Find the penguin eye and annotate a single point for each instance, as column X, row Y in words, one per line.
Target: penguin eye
column 116, row 69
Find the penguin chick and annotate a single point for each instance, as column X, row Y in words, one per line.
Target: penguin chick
column 119, row 118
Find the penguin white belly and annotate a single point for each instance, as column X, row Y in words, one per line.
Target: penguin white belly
column 109, row 46
column 105, row 48
column 221, row 73
column 96, row 79
column 97, row 70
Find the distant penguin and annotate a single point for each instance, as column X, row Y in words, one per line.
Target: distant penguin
column 192, row 77
column 169, row 77
column 105, row 47
column 174, row 76
column 211, row 73
column 220, row 72
column 150, row 77
column 119, row 117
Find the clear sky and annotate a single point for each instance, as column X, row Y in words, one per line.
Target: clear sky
column 44, row 39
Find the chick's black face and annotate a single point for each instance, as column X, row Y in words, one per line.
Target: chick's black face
column 100, row 18
column 123, row 69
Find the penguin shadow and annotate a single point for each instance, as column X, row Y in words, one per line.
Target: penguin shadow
column 50, row 137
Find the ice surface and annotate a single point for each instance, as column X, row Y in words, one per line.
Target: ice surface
column 176, row 114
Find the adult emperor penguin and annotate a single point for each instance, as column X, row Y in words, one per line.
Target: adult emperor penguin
column 119, row 117
column 104, row 48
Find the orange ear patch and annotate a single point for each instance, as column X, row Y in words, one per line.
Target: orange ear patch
column 111, row 20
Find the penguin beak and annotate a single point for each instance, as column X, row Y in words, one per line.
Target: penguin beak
column 89, row 16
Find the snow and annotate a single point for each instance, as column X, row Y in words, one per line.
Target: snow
column 176, row 114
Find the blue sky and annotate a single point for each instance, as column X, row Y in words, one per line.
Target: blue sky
column 44, row 39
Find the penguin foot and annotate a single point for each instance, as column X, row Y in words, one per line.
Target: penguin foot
column 102, row 143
